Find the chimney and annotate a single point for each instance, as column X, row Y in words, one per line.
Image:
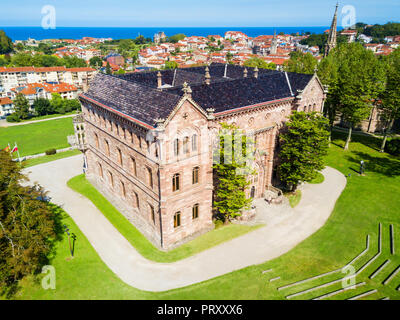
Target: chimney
column 245, row 73
column 159, row 80
column 256, row 72
column 207, row 76
column 226, row 69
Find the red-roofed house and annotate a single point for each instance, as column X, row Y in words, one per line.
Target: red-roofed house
column 6, row 107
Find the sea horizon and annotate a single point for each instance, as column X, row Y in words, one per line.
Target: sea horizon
column 38, row 33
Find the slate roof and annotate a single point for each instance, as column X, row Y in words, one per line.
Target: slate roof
column 136, row 94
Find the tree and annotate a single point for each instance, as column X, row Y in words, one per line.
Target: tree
column 108, row 68
column 390, row 100
column 71, row 105
column 171, row 65
column 259, row 63
column 27, row 225
column 301, row 63
column 21, row 106
column 57, row 103
column 361, row 80
column 42, row 106
column 175, row 38
column 21, row 60
column 229, row 57
column 96, row 62
column 303, row 147
column 73, row 62
column 6, row 45
column 329, row 76
column 232, row 173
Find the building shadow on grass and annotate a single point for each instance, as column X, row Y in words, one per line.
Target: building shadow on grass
column 389, row 167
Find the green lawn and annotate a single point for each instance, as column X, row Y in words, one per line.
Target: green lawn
column 142, row 245
column 49, row 158
column 318, row 179
column 294, row 198
column 38, row 137
column 365, row 202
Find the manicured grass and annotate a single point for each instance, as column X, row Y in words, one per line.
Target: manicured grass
column 318, row 179
column 366, row 201
column 294, row 198
column 36, row 138
column 49, row 158
column 142, row 245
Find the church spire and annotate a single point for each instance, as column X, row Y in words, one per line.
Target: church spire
column 332, row 38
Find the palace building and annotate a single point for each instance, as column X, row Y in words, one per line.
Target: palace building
column 149, row 138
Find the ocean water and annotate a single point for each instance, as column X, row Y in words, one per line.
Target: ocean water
column 23, row 33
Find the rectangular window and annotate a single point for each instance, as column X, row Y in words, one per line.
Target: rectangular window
column 152, row 213
column 195, row 211
column 195, row 175
column 177, row 220
column 150, row 177
column 175, row 182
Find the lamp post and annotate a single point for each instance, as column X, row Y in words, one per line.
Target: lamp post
column 69, row 240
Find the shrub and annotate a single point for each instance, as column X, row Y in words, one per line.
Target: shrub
column 51, row 151
column 393, row 146
column 13, row 118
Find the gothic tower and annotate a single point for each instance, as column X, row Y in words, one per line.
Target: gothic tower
column 332, row 34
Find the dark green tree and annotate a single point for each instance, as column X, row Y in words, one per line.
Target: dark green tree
column 6, row 45
column 361, row 81
column 232, row 171
column 171, row 65
column 42, row 106
column 303, row 147
column 96, row 62
column 259, row 63
column 301, row 63
column 108, row 68
column 389, row 106
column 21, row 106
column 27, row 225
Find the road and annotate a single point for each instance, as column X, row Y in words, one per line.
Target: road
column 282, row 233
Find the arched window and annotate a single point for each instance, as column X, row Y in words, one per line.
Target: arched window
column 176, row 147
column 96, row 139
column 175, row 182
column 110, row 179
column 107, row 146
column 150, row 177
column 194, row 142
column 100, row 170
column 195, row 211
column 186, row 145
column 133, row 166
column 123, row 190
column 136, row 199
column 119, row 152
column 195, row 175
column 177, row 219
column 315, row 107
column 152, row 213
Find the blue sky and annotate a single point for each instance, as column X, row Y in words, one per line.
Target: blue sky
column 199, row 13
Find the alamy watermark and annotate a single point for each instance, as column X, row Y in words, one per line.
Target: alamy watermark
column 49, row 280
column 49, row 17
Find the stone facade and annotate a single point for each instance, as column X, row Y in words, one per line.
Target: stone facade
column 161, row 178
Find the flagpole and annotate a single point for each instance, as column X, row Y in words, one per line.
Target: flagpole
column 19, row 157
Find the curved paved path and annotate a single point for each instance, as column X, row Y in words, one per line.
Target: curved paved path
column 256, row 247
